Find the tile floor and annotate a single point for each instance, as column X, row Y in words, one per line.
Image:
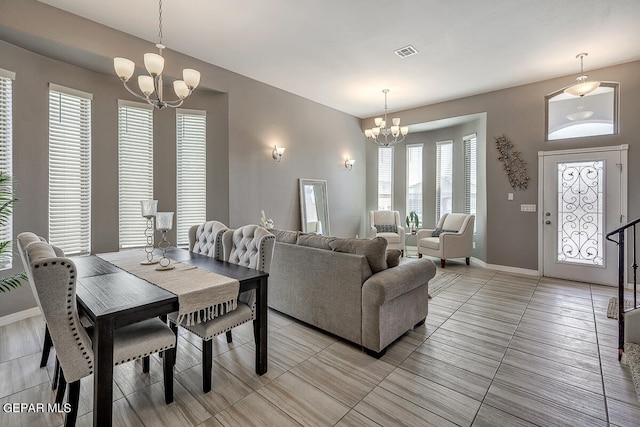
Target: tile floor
column 497, row 349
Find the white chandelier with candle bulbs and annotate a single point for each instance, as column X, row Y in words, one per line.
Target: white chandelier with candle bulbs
column 151, row 85
column 383, row 135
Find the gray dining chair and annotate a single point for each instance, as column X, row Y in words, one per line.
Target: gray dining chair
column 54, row 280
column 23, row 241
column 250, row 246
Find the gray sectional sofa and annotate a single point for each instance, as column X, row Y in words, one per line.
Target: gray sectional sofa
column 346, row 287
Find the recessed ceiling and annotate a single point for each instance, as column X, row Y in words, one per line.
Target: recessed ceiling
column 341, row 53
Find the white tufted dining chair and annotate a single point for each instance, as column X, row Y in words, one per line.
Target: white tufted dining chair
column 206, row 239
column 54, row 280
column 250, row 246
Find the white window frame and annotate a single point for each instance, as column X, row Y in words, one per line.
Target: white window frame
column 6, row 158
column 70, row 169
column 470, row 147
column 135, row 170
column 439, row 175
column 414, row 161
column 191, row 171
column 385, row 171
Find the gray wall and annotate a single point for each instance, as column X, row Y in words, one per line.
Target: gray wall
column 245, row 119
column 519, row 113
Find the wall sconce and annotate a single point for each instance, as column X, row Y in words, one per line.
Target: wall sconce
column 277, row 153
column 348, row 163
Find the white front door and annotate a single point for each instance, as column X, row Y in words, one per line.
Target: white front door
column 582, row 200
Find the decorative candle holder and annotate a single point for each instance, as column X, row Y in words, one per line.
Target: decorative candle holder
column 164, row 223
column 149, row 209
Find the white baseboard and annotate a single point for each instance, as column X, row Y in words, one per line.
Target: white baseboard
column 505, row 268
column 20, row 315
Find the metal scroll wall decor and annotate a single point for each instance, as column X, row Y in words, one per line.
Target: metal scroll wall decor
column 513, row 164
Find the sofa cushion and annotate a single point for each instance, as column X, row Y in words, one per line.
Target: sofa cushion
column 393, row 257
column 374, row 250
column 386, row 228
column 315, row 241
column 391, row 237
column 430, row 243
column 285, row 236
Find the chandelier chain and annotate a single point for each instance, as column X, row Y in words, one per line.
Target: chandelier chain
column 160, row 20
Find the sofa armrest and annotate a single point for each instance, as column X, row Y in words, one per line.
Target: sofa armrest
column 388, row 284
column 373, row 232
column 632, row 326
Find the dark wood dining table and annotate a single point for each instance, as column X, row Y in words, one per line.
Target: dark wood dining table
column 112, row 298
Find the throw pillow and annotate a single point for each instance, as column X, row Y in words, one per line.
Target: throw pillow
column 437, row 232
column 386, row 228
column 285, row 236
column 315, row 241
column 374, row 250
column 393, row 257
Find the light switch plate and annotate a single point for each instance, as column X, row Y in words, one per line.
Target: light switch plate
column 509, row 196
column 527, row 208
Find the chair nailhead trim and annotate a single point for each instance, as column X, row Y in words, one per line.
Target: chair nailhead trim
column 146, row 354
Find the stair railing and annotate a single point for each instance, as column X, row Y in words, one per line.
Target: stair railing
column 621, row 270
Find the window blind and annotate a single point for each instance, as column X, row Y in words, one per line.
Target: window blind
column 444, row 178
column 70, row 170
column 470, row 173
column 385, row 178
column 414, row 179
column 6, row 160
column 191, row 141
column 135, row 170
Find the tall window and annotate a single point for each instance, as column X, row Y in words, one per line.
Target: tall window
column 444, row 178
column 385, row 178
column 135, row 169
column 470, row 173
column 70, row 169
column 6, row 158
column 414, row 179
column 192, row 171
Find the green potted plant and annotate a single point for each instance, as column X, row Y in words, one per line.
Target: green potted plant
column 7, row 200
column 413, row 222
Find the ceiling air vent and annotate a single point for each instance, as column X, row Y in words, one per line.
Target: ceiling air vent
column 403, row 52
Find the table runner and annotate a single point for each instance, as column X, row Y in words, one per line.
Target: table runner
column 202, row 295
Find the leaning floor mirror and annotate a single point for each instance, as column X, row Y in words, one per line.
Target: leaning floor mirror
column 314, row 207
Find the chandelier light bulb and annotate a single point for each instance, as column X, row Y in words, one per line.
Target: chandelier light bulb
column 378, row 121
column 124, row 68
column 154, row 63
column 191, row 78
column 396, row 121
column 181, row 89
column 146, row 84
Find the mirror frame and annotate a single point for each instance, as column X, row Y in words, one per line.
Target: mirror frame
column 303, row 204
column 616, row 109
